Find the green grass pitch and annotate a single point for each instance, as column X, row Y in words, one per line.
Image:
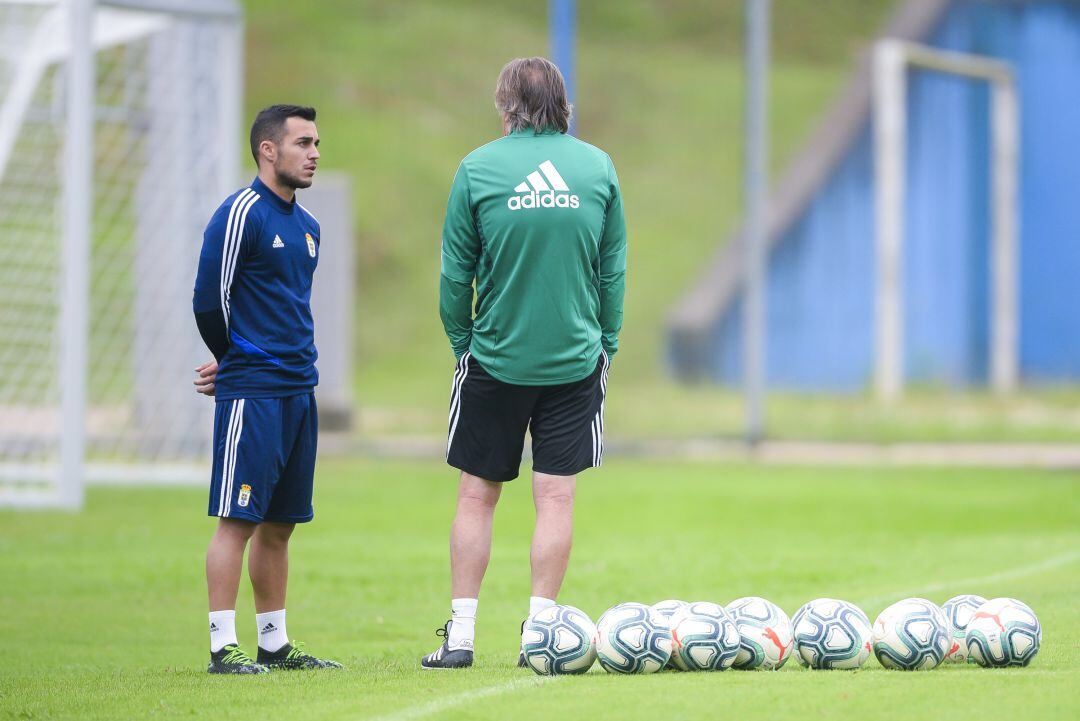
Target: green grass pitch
column 103, row 612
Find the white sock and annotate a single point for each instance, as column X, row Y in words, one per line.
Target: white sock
column 222, row 629
column 271, row 628
column 462, row 624
column 539, row 603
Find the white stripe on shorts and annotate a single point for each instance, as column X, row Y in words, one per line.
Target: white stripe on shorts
column 455, row 398
column 595, row 445
column 239, row 408
column 229, row 430
column 597, row 427
column 459, row 369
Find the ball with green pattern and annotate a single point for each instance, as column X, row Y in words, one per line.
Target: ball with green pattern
column 1003, row 632
column 766, row 634
column 704, row 638
column 632, row 638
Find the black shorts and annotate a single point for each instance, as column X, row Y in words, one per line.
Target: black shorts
column 488, row 419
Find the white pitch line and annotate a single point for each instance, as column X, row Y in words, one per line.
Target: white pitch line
column 1046, row 564
column 447, row 702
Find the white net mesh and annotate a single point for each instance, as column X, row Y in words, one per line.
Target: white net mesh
column 159, row 172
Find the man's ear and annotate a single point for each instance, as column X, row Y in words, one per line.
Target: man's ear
column 268, row 150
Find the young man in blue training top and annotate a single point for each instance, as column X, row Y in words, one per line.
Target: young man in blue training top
column 253, row 308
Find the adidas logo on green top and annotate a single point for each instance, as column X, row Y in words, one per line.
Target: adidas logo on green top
column 543, row 188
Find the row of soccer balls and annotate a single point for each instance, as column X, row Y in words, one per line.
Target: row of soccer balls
column 753, row 633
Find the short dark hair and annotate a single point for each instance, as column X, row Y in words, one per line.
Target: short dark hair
column 270, row 124
column 531, row 93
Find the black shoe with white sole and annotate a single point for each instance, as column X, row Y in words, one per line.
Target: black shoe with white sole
column 444, row 656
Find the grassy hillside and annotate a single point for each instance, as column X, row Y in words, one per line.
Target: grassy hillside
column 404, row 91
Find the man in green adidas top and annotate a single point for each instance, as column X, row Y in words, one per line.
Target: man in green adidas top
column 535, row 221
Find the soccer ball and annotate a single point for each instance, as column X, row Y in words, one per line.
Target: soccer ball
column 912, row 635
column 959, row 610
column 667, row 609
column 632, row 638
column 559, row 640
column 704, row 638
column 831, row 634
column 1003, row 632
column 766, row 634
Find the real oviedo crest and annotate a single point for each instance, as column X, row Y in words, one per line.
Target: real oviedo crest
column 310, row 244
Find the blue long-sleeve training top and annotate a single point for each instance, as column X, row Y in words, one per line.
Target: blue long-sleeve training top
column 252, row 298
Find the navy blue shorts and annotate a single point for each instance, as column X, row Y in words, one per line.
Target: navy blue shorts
column 264, row 459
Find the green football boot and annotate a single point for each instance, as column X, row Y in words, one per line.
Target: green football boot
column 230, row 659
column 290, row 658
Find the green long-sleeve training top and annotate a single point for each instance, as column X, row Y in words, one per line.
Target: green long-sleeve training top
column 535, row 219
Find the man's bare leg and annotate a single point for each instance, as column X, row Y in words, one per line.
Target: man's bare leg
column 225, row 560
column 553, row 497
column 268, row 568
column 470, row 550
column 470, row 534
column 268, row 565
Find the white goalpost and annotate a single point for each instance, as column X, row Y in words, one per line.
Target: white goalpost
column 892, row 58
column 119, row 132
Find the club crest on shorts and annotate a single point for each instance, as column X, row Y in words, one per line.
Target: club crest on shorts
column 245, row 496
column 310, row 244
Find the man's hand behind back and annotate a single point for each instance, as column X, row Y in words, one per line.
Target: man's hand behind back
column 206, row 378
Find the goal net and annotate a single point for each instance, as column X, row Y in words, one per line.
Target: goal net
column 108, row 396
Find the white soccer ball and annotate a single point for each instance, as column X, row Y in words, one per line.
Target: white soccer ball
column 703, row 637
column 911, row 635
column 667, row 609
column 632, row 638
column 765, row 631
column 1003, row 632
column 959, row 610
column 831, row 634
column 559, row 640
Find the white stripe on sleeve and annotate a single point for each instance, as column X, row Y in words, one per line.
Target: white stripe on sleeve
column 233, row 239
column 237, row 202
